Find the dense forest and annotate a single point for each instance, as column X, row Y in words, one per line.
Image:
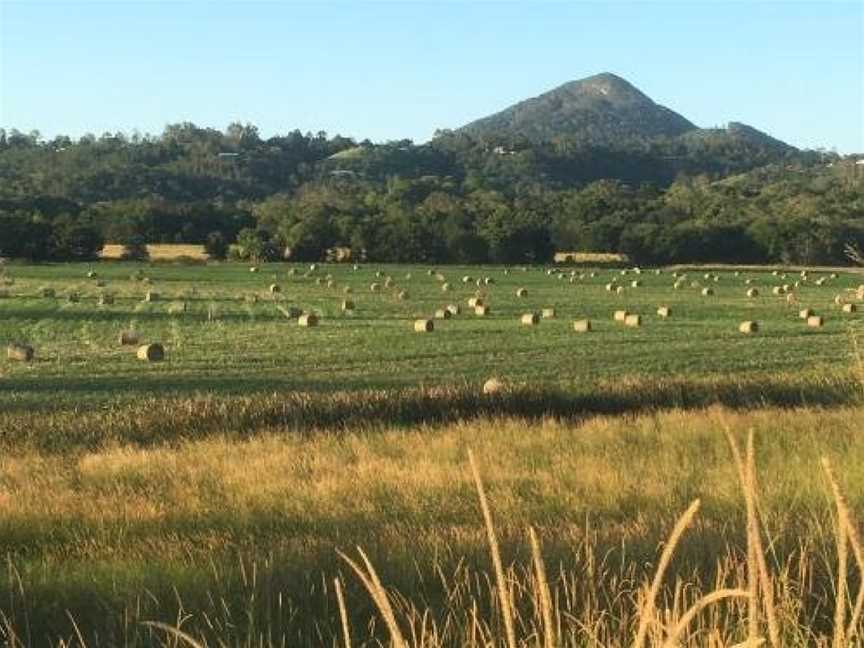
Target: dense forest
column 715, row 195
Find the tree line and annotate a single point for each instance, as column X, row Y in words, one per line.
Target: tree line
column 457, row 199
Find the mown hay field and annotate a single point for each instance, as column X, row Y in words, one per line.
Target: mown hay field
column 211, row 492
column 225, row 332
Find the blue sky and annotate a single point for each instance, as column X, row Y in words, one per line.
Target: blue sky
column 388, row 70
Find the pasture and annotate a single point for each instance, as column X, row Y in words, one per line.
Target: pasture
column 211, row 492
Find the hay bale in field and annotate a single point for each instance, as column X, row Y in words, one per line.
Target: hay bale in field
column 488, row 281
column 47, row 292
column 582, row 326
column 274, row 288
column 791, row 298
column 664, row 312
column 748, row 282
column 347, row 305
column 530, row 319
column 253, row 269
column 319, row 281
column 859, row 293
column 106, row 300
column 707, row 276
column 331, row 283
column 820, row 281
column 620, row 315
column 430, row 272
column 151, row 296
column 443, row 314
column 815, row 321
column 548, row 313
column 634, row 321
column 635, row 284
column 151, row 352
column 308, row 320
column 440, row 277
column 355, row 267
column 619, row 290
column 467, row 279
column 407, row 276
column 292, row 272
column 506, row 272
column 445, row 287
column 707, row 292
column 678, row 285
column 20, row 352
column 129, row 338
column 521, row 292
column 347, row 290
column 752, row 293
column 493, row 386
column 403, row 295
column 610, row 287
column 475, row 301
column 748, row 327
column 424, row 326
column 388, row 282
column 291, row 312
column 481, row 311
column 776, row 273
column 805, row 313
column 375, row 287
column 849, row 308
column 834, row 275
column 838, row 300
column 379, row 274
column 453, row 309
column 92, row 275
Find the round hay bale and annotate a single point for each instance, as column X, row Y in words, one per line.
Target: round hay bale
column 319, row 281
column 815, row 321
column 548, row 313
column 488, row 281
column 634, row 321
column 388, row 282
column 707, row 292
column 129, row 338
column 453, row 309
column 635, row 284
column 493, row 386
column 521, row 292
column 91, row 275
column 308, row 320
column 834, row 275
column 850, row 308
column 530, row 319
column 475, row 301
column 748, row 327
column 355, row 267
column 151, row 352
column 292, row 272
column 443, row 314
column 347, row 305
column 331, row 283
column 20, row 352
column 403, row 295
column 313, row 267
column 805, row 313
column 610, row 287
column 151, row 296
column 375, row 287
column 430, row 272
column 664, row 312
column 347, row 290
column 481, row 311
column 440, row 277
column 620, row 315
column 424, row 326
column 445, row 287
column 752, row 293
column 274, row 288
column 619, row 290
column 582, row 326
column 407, row 276
column 253, row 269
column 467, row 279
column 379, row 274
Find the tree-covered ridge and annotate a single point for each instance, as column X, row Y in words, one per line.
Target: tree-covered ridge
column 703, row 196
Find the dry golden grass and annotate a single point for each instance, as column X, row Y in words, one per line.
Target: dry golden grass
column 160, row 251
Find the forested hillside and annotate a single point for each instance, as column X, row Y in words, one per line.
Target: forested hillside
column 722, row 195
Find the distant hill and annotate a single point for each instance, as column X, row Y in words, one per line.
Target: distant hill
column 601, row 110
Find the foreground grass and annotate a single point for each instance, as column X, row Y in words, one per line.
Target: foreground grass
column 235, row 541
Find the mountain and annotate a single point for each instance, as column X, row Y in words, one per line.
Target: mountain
column 601, row 110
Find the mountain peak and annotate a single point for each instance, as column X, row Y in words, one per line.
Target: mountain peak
column 600, row 109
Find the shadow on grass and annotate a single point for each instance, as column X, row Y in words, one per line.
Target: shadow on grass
column 155, row 420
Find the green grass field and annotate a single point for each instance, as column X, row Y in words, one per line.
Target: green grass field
column 225, row 343
column 211, row 492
